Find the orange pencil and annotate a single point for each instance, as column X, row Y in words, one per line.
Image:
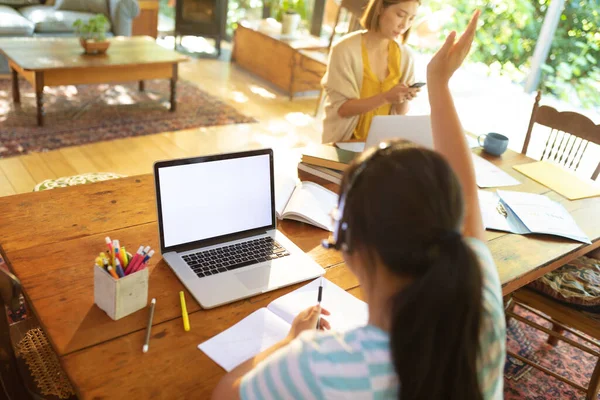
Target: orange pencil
column 112, row 272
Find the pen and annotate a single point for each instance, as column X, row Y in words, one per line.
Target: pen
column 112, row 272
column 119, row 269
column 124, row 255
column 320, row 295
column 134, row 260
column 118, row 253
column 139, row 261
column 110, row 249
column 147, row 341
column 184, row 313
column 143, row 264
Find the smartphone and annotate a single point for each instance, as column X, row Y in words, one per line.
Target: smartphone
column 418, row 85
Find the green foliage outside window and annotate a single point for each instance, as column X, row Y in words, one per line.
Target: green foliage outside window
column 511, row 28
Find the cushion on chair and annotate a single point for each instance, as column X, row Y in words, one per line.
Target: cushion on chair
column 19, row 3
column 76, row 180
column 43, row 364
column 576, row 284
column 14, row 24
column 46, row 19
column 93, row 6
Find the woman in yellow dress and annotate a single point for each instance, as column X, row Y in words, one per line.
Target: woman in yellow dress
column 370, row 71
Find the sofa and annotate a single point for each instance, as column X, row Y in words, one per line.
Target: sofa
column 33, row 18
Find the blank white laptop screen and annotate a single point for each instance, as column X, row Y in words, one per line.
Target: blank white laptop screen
column 215, row 198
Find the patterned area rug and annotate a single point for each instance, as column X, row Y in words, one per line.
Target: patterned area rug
column 77, row 115
column 524, row 382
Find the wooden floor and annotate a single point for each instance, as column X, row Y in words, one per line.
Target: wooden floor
column 283, row 124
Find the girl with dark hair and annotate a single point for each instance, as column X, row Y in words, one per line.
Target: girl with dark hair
column 409, row 226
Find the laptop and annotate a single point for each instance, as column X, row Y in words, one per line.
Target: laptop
column 217, row 227
column 416, row 128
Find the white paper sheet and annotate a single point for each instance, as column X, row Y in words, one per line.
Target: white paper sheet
column 488, row 175
column 252, row 335
column 347, row 312
column 542, row 215
column 472, row 142
column 284, row 187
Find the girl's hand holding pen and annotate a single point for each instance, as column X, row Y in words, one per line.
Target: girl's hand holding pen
column 307, row 320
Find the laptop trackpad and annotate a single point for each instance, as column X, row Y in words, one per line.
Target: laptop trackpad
column 255, row 278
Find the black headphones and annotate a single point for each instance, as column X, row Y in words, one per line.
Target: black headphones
column 341, row 232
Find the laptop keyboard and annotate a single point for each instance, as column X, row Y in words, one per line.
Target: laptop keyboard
column 214, row 261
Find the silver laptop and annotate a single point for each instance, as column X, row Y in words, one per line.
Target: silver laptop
column 416, row 128
column 217, row 227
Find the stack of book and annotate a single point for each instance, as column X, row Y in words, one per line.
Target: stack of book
column 325, row 162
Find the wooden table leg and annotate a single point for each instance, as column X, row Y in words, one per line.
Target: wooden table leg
column 39, row 97
column 142, row 86
column 15, row 86
column 174, row 88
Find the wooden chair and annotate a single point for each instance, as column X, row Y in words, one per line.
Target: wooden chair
column 29, row 369
column 350, row 10
column 562, row 318
column 569, row 137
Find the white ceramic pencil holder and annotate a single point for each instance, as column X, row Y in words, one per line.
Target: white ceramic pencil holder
column 123, row 296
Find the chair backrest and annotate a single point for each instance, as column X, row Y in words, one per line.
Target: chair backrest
column 10, row 290
column 355, row 8
column 12, row 382
column 569, row 137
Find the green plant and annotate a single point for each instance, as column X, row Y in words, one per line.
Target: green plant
column 510, row 31
column 95, row 28
column 279, row 7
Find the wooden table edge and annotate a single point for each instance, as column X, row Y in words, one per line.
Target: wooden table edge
column 521, row 281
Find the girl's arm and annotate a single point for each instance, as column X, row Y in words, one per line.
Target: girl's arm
column 448, row 136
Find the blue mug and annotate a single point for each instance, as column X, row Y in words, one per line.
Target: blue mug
column 493, row 143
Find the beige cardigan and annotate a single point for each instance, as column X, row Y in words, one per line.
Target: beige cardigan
column 343, row 81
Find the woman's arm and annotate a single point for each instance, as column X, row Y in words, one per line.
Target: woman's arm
column 401, row 108
column 354, row 107
column 448, row 136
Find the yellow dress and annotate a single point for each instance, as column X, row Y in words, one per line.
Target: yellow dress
column 372, row 86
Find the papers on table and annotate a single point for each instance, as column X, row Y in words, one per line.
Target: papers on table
column 269, row 325
column 525, row 213
column 252, row 335
column 472, row 142
column 542, row 215
column 488, row 175
column 560, row 180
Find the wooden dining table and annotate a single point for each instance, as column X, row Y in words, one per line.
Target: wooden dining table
column 50, row 239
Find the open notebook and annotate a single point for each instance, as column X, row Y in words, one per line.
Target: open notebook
column 267, row 326
column 304, row 201
column 525, row 213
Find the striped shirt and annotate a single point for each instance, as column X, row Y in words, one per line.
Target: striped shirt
column 358, row 365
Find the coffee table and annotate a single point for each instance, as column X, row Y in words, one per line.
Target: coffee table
column 61, row 61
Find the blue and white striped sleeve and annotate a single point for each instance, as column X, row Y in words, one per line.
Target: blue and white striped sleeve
column 286, row 374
